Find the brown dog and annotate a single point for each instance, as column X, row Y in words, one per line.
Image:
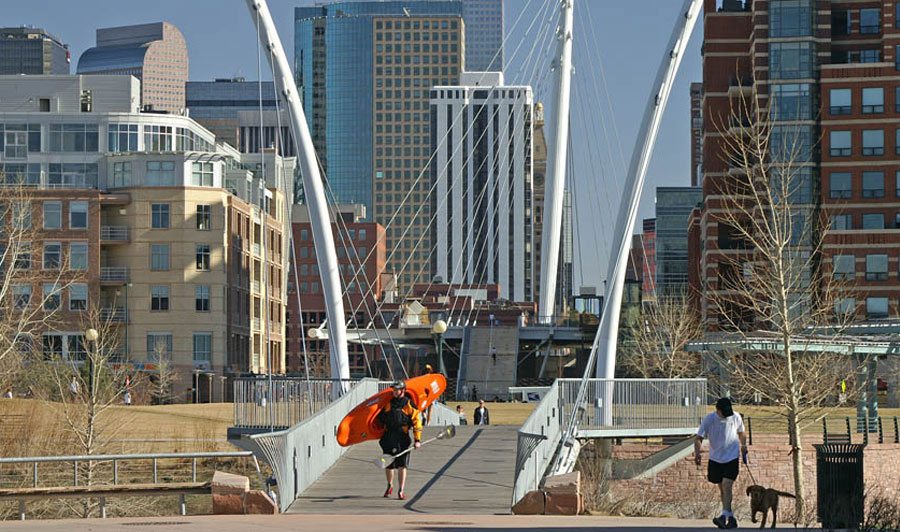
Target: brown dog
column 761, row 499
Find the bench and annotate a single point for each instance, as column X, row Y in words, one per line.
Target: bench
column 103, row 491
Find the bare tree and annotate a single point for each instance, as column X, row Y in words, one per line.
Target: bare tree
column 32, row 279
column 772, row 286
column 659, row 338
column 161, row 386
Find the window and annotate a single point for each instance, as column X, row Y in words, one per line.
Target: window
column 51, row 296
column 159, row 298
column 52, row 215
column 792, row 101
column 841, row 222
column 78, row 256
column 873, row 142
column 872, row 100
column 159, row 215
column 201, row 300
column 870, row 20
column 840, row 22
column 78, row 215
column 159, row 345
column 876, row 307
column 52, row 254
column 844, row 266
column 21, row 215
column 873, row 184
column 876, row 267
column 791, row 60
column 203, row 217
column 122, row 174
column 840, row 101
column 202, row 347
column 304, row 235
column 78, row 295
column 873, row 221
column 790, row 18
column 21, row 295
column 73, row 138
column 870, row 56
column 159, row 257
column 840, row 144
column 202, row 257
column 52, row 346
column 202, row 175
column 122, row 137
column 362, row 235
column 157, row 138
column 791, row 143
column 840, row 184
column 23, row 256
column 160, row 173
column 845, row 306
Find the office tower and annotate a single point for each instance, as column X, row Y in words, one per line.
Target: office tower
column 364, row 70
column 648, row 288
column 827, row 74
column 673, row 207
column 696, row 132
column 154, row 53
column 215, row 104
column 482, row 174
column 484, row 35
column 26, row 50
column 180, row 242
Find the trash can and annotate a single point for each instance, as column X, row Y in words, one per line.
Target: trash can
column 840, row 484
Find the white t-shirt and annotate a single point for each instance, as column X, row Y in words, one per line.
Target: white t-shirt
column 724, row 445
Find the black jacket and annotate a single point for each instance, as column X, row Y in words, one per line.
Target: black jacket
column 477, row 417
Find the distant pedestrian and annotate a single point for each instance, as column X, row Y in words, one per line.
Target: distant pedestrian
column 8, row 394
column 127, row 398
column 482, row 416
column 474, row 393
column 462, row 415
column 465, row 393
column 74, row 387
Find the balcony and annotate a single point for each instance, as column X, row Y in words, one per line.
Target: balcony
column 115, row 198
column 113, row 275
column 742, row 85
column 114, row 315
column 115, row 234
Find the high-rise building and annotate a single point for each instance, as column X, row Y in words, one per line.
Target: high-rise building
column 484, row 35
column 648, row 276
column 27, row 50
column 215, row 104
column 180, row 243
column 565, row 266
column 673, row 207
column 696, row 132
column 364, row 70
column 482, row 174
column 154, row 53
column 827, row 71
column 360, row 251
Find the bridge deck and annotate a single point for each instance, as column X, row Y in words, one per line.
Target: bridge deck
column 470, row 474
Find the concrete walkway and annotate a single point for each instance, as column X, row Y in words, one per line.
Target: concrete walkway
column 469, row 474
column 363, row 523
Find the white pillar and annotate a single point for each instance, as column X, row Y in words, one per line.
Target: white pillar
column 555, row 180
column 314, row 191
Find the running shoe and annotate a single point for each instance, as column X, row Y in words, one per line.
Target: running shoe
column 732, row 522
column 720, row 521
column 401, row 495
column 388, row 491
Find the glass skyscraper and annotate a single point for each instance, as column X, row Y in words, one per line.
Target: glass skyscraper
column 673, row 207
column 32, row 51
column 215, row 104
column 484, row 35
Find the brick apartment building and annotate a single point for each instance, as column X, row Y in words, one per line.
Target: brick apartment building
column 829, row 69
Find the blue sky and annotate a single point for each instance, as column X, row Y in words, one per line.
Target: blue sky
column 626, row 37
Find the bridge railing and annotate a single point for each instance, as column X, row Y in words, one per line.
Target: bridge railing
column 289, row 401
column 536, row 444
column 632, row 406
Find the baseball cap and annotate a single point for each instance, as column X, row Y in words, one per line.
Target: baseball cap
column 724, row 405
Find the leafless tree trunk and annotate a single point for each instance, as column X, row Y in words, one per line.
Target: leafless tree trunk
column 772, row 283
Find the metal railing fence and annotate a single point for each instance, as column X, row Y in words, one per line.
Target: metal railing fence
column 536, row 444
column 636, row 404
column 290, row 400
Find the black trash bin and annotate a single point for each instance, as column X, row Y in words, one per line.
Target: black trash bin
column 840, row 484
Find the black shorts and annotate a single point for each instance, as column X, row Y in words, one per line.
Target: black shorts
column 716, row 471
column 393, row 443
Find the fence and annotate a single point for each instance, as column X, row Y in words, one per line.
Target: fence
column 536, row 443
column 638, row 405
column 290, row 400
column 832, row 429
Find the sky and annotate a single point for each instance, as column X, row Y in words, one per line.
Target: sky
column 618, row 45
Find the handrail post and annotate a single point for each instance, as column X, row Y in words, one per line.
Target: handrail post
column 193, row 471
column 102, row 507
column 34, row 472
column 115, row 472
column 21, row 509
column 181, row 506
column 75, row 471
column 154, row 470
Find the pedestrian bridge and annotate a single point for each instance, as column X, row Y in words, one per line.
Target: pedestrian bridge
column 482, row 470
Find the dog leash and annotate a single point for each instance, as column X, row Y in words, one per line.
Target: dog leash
column 747, row 463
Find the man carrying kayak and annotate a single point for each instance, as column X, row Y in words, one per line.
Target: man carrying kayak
column 398, row 417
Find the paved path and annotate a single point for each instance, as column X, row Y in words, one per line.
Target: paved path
column 362, row 523
column 469, row 474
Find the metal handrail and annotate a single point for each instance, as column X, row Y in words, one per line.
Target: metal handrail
column 114, row 273
column 290, row 400
column 536, row 444
column 115, row 232
column 107, row 457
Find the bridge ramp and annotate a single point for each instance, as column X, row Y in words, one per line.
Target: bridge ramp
column 492, row 377
column 470, row 474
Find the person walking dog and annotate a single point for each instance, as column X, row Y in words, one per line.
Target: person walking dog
column 724, row 429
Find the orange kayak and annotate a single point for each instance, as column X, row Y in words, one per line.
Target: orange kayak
column 360, row 424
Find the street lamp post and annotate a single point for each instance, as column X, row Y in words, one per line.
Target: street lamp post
column 438, row 329
column 91, row 335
